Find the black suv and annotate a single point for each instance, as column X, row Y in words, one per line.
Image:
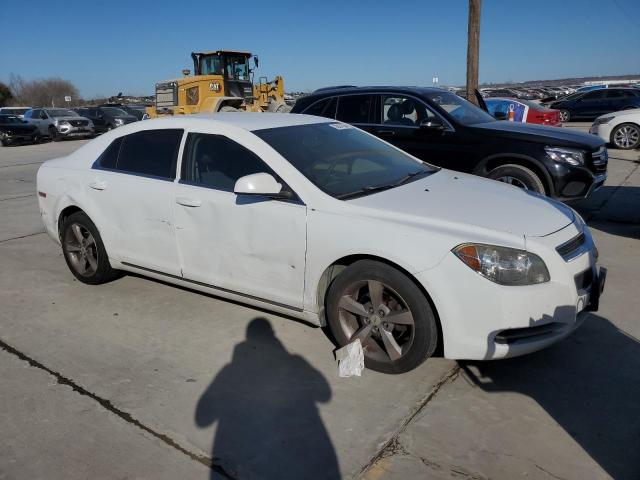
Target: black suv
column 589, row 105
column 106, row 118
column 443, row 129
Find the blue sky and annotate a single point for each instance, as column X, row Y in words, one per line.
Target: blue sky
column 109, row 46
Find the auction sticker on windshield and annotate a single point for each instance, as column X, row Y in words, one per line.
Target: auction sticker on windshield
column 340, row 126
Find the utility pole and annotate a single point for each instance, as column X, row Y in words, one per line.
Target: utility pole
column 473, row 49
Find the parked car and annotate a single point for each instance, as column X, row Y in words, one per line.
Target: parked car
column 446, row 130
column 523, row 111
column 620, row 129
column 500, row 92
column 319, row 220
column 59, row 123
column 17, row 111
column 592, row 104
column 106, row 118
column 137, row 111
column 15, row 130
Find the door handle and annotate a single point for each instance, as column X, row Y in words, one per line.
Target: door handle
column 98, row 185
column 387, row 133
column 188, row 202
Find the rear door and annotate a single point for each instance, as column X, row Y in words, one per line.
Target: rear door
column 591, row 105
column 132, row 187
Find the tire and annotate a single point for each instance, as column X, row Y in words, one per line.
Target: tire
column 228, row 108
column 389, row 346
column 565, row 116
column 53, row 133
column 518, row 176
column 78, row 253
column 626, row 136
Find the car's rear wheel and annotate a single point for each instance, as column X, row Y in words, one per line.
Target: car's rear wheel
column 84, row 251
column 565, row 116
column 391, row 316
column 518, row 176
column 626, row 136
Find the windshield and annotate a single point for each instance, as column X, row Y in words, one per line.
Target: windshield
column 238, row 67
column 460, row 109
column 9, row 119
column 61, row 112
column 114, row 112
column 210, row 65
column 343, row 161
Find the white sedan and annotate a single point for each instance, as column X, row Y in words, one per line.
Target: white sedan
column 620, row 129
column 319, row 220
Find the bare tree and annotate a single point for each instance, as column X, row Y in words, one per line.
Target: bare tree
column 5, row 94
column 42, row 92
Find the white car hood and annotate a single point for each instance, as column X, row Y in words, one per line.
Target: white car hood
column 448, row 196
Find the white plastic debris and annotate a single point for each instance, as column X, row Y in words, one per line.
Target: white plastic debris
column 350, row 359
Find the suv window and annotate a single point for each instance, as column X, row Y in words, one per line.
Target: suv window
column 355, row 108
column 620, row 94
column 595, row 95
column 150, row 152
column 400, row 110
column 29, row 114
column 216, row 161
column 323, row 108
column 109, row 157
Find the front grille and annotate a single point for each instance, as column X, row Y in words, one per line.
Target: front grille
column 568, row 249
column 79, row 123
column 584, row 280
column 599, row 160
column 166, row 94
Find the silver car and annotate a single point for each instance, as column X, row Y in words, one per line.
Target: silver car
column 59, row 123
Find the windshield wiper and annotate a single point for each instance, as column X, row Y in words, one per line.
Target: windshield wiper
column 378, row 188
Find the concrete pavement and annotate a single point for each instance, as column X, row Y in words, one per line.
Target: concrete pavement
column 138, row 379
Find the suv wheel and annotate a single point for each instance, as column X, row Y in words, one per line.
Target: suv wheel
column 518, row 176
column 626, row 136
column 379, row 305
column 84, row 251
column 53, row 133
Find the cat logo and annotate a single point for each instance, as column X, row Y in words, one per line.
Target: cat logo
column 214, row 86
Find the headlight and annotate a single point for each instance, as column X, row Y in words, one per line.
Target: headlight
column 503, row 265
column 565, row 155
column 119, row 121
column 63, row 123
column 601, row 120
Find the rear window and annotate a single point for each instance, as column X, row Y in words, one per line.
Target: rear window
column 150, row 153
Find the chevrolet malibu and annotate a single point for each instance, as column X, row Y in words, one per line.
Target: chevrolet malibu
column 321, row 221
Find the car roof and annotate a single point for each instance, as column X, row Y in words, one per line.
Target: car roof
column 381, row 88
column 245, row 120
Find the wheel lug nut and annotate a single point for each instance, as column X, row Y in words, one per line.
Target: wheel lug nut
column 381, row 312
column 371, row 310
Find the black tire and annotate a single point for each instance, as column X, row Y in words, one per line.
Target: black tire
column 419, row 339
column 103, row 272
column 565, row 116
column 53, row 133
column 626, row 136
column 518, row 176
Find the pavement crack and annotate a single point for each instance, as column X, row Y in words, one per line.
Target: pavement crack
column 110, row 407
column 392, row 445
column 547, row 472
column 16, row 197
column 22, row 236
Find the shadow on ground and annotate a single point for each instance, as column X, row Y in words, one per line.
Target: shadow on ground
column 265, row 406
column 589, row 384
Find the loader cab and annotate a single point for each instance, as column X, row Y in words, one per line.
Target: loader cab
column 233, row 66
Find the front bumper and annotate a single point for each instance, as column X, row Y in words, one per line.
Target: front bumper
column 18, row 138
column 482, row 320
column 75, row 131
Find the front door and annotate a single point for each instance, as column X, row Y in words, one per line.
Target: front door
column 253, row 246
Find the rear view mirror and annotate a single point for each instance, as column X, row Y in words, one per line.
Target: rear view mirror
column 256, row 60
column 260, row 184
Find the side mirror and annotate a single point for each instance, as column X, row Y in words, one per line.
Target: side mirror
column 256, row 60
column 499, row 115
column 432, row 125
column 260, row 184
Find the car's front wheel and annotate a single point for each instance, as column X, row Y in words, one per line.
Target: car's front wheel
column 391, row 316
column 84, row 251
column 626, row 136
column 53, row 133
column 518, row 176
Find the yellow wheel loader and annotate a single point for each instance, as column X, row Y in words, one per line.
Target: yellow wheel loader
column 222, row 81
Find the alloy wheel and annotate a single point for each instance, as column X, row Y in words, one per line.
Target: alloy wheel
column 82, row 250
column 564, row 116
column 373, row 312
column 626, row 136
column 516, row 182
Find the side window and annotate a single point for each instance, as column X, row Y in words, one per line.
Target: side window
column 109, row 157
column 150, row 152
column 399, row 110
column 355, row 108
column 323, row 108
column 28, row 113
column 216, row 161
column 596, row 95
